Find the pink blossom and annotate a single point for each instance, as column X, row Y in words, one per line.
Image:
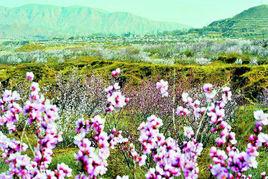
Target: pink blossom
column 188, row 132
column 29, row 76
column 43, row 114
column 181, row 111
column 63, row 171
column 209, row 92
column 115, row 98
column 94, row 159
column 116, row 72
column 169, row 158
column 261, row 117
column 163, row 87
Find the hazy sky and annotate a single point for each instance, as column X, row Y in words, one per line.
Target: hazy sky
column 195, row 13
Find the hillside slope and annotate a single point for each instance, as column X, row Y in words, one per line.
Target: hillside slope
column 251, row 23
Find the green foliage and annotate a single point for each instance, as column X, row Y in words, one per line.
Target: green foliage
column 65, row 156
column 243, row 122
column 188, row 53
column 246, row 79
column 30, row 47
column 3, row 166
column 185, row 61
column 232, row 57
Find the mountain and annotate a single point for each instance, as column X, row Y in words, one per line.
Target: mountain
column 46, row 20
column 251, row 23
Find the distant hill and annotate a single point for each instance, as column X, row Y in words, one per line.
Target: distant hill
column 251, row 23
column 46, row 20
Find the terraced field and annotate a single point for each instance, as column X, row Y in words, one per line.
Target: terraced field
column 252, row 23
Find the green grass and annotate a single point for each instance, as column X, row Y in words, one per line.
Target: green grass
column 3, row 166
column 65, row 156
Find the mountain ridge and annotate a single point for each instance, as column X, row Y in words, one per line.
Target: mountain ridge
column 49, row 20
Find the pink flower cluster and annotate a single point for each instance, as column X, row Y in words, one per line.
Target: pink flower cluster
column 209, row 92
column 191, row 150
column 140, row 159
column 192, row 107
column 116, row 138
column 29, row 76
column 10, row 146
column 93, row 160
column 207, row 109
column 216, row 114
column 116, row 72
column 163, row 87
column 230, row 162
column 10, row 110
column 38, row 110
column 93, row 154
column 115, row 98
column 169, row 157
